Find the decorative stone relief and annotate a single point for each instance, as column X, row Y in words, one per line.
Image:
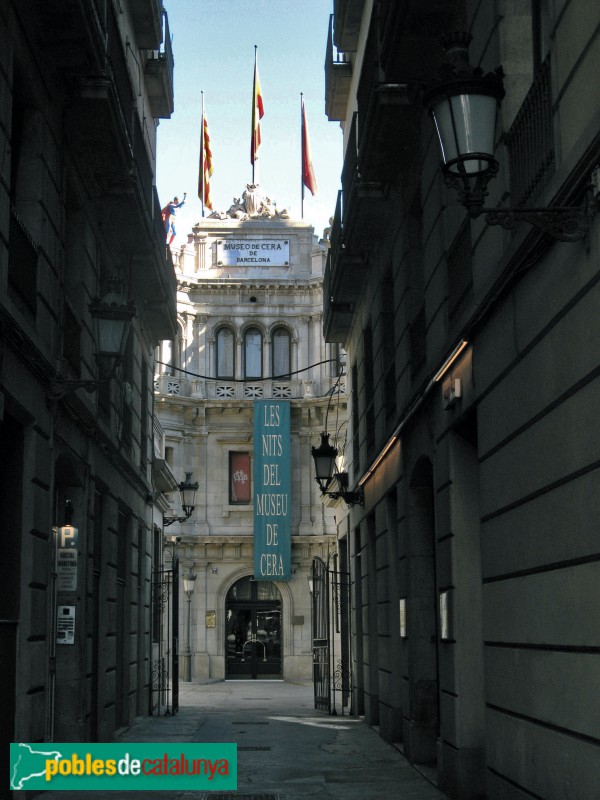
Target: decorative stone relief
column 251, row 205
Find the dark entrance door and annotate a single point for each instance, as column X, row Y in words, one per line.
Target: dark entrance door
column 253, row 631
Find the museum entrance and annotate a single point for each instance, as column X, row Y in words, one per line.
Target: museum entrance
column 253, row 631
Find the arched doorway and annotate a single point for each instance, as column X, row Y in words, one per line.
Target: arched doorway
column 253, row 630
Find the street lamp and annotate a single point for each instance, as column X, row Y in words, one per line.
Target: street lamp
column 188, row 587
column 463, row 105
column 324, row 457
column 112, row 316
column 187, row 494
column 326, row 472
column 188, row 583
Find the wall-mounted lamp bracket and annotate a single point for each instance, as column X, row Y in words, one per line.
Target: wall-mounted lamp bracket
column 61, row 387
column 187, row 493
column 326, row 473
column 463, row 103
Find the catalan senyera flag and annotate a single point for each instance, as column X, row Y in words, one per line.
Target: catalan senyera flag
column 308, row 173
column 206, row 165
column 257, row 113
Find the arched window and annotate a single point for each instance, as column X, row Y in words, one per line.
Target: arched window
column 225, row 353
column 253, row 353
column 281, row 349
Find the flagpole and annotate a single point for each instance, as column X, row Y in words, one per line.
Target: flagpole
column 301, row 155
column 254, row 114
column 203, row 154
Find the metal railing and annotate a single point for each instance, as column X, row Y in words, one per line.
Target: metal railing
column 350, row 166
column 530, row 141
column 159, row 437
column 338, row 72
column 332, row 54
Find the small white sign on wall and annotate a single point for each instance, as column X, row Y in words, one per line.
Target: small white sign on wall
column 65, row 625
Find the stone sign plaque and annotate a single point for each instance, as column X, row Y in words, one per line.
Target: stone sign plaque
column 253, row 252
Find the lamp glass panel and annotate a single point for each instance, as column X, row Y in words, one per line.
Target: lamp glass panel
column 110, row 335
column 188, row 498
column 466, row 124
column 188, row 584
column 324, row 465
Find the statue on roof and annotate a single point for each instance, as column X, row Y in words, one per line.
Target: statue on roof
column 251, row 205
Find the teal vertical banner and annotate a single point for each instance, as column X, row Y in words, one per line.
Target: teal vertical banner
column 272, row 491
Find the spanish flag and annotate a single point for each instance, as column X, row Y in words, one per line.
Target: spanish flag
column 206, row 164
column 257, row 113
column 308, row 173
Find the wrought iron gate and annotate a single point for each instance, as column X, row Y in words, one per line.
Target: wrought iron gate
column 331, row 636
column 164, row 679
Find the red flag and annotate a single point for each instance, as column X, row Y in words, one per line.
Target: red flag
column 257, row 114
column 206, row 165
column 308, row 173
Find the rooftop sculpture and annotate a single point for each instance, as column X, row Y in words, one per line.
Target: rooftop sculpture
column 251, row 205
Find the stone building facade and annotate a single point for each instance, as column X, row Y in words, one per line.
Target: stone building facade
column 249, row 304
column 81, row 91
column 473, row 357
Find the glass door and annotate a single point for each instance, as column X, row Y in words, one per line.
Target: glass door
column 253, row 633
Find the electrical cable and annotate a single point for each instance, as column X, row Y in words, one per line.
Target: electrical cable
column 281, row 377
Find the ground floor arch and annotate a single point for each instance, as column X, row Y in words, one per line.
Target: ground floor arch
column 253, row 630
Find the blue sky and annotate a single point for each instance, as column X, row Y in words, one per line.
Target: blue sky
column 213, row 44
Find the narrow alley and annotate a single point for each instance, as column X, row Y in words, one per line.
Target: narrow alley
column 286, row 749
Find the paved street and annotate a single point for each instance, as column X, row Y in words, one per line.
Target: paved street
column 286, row 749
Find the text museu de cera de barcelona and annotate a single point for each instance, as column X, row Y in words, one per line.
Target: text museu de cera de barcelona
column 252, row 251
column 272, row 490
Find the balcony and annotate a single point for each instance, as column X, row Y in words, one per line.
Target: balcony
column 147, row 23
column 214, row 389
column 348, row 16
column 111, row 154
column 69, row 34
column 390, row 130
column 409, row 33
column 338, row 75
column 343, row 283
column 158, row 70
column 101, row 122
column 107, row 141
column 162, row 474
column 389, row 116
column 363, row 212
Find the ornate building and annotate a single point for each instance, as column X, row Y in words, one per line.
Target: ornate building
column 82, row 87
column 473, row 349
column 249, row 301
